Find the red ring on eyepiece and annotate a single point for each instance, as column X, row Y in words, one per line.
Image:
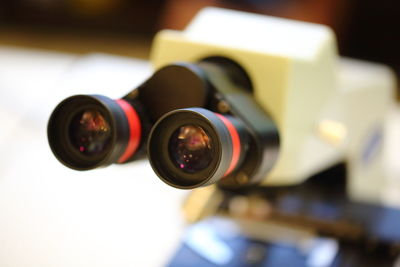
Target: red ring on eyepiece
column 235, row 143
column 135, row 130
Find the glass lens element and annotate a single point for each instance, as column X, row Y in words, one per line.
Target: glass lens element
column 90, row 132
column 190, row 148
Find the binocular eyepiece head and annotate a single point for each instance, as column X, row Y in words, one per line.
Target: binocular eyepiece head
column 194, row 147
column 89, row 131
column 177, row 112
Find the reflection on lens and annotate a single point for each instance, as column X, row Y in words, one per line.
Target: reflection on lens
column 90, row 132
column 190, row 148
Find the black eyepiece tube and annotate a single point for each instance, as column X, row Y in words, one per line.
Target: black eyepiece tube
column 90, row 131
column 194, row 147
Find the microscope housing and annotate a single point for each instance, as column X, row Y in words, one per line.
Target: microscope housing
column 328, row 109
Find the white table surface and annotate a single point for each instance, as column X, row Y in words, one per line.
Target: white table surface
column 53, row 216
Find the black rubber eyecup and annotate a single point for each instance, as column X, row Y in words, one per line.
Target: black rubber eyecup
column 164, row 164
column 59, row 131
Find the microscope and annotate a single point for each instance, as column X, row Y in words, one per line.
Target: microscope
column 279, row 138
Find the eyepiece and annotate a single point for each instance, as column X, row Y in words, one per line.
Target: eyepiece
column 195, row 147
column 89, row 131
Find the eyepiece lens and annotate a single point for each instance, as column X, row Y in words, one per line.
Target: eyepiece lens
column 190, row 148
column 90, row 133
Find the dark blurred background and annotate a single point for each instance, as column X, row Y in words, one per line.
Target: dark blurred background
column 365, row 29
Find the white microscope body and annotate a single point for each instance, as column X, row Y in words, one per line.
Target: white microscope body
column 328, row 109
